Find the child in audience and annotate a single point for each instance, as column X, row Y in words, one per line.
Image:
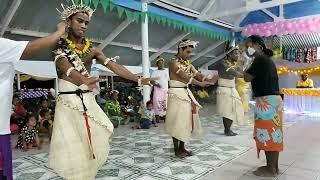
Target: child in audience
column 148, row 117
column 45, row 122
column 29, row 135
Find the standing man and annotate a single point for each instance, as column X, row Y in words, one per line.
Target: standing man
column 305, row 82
column 229, row 105
column 160, row 90
column 80, row 125
column 11, row 52
column 182, row 120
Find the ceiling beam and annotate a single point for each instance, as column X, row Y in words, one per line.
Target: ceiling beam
column 119, row 44
column 270, row 14
column 251, row 7
column 207, row 50
column 188, row 12
column 214, row 60
column 168, row 45
column 11, row 12
column 205, row 10
column 281, row 11
column 151, row 1
column 115, row 33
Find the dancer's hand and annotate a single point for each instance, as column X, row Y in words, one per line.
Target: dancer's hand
column 213, row 79
column 91, row 82
column 61, row 27
column 147, row 81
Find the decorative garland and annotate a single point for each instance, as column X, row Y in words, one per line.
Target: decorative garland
column 285, row 70
column 154, row 18
column 85, row 50
column 299, row 26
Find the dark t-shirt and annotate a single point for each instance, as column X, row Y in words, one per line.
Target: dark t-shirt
column 265, row 78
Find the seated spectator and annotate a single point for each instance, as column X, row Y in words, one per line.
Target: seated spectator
column 45, row 122
column 18, row 110
column 113, row 110
column 148, row 117
column 28, row 137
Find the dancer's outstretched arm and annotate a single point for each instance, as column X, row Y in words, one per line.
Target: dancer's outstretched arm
column 119, row 69
column 40, row 44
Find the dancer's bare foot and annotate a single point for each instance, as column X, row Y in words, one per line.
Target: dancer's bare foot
column 188, row 153
column 180, row 154
column 264, row 171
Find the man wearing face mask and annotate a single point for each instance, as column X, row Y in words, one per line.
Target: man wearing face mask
column 229, row 105
column 182, row 114
column 268, row 132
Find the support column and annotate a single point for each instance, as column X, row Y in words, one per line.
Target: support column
column 18, row 82
column 145, row 52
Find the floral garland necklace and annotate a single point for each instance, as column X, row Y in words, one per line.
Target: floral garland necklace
column 86, row 49
column 231, row 65
column 184, row 62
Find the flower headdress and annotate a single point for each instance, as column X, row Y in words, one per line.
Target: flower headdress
column 188, row 43
column 73, row 9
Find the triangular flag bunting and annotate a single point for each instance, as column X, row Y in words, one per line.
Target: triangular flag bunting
column 120, row 11
column 136, row 16
column 158, row 19
column 144, row 16
column 86, row 2
column 111, row 6
column 129, row 14
column 104, row 4
column 95, row 3
column 152, row 17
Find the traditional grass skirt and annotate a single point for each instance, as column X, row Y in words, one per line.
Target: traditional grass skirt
column 71, row 154
column 229, row 103
column 182, row 120
column 268, row 132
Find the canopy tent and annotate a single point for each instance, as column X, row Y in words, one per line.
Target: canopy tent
column 45, row 69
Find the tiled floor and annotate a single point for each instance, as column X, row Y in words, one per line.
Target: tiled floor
column 147, row 155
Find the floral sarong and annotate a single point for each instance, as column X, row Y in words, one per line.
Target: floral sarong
column 268, row 132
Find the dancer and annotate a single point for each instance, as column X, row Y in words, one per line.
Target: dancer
column 182, row 114
column 160, row 90
column 268, row 132
column 81, row 130
column 11, row 52
column 229, row 105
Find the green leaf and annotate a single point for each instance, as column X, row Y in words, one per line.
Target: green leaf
column 120, row 11
column 136, row 16
column 95, row 3
column 174, row 24
column 76, row 1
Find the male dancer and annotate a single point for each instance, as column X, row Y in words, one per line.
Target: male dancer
column 229, row 105
column 81, row 130
column 182, row 114
column 10, row 52
column 160, row 90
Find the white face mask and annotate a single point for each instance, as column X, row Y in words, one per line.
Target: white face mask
column 251, row 51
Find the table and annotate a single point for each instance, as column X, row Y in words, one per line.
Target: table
column 302, row 100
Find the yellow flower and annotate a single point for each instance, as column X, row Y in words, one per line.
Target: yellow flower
column 73, row 47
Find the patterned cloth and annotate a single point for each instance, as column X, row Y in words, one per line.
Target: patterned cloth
column 113, row 110
column 30, row 137
column 268, row 132
column 33, row 94
column 160, row 100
